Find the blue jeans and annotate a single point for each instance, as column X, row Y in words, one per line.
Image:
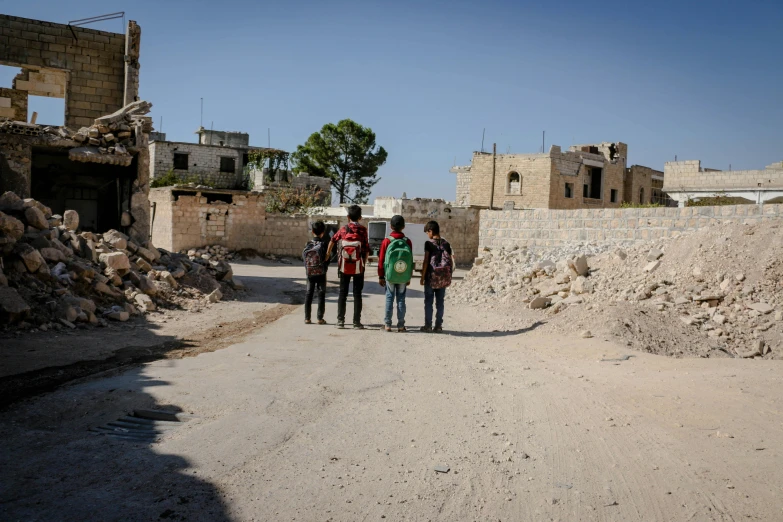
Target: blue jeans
column 397, row 290
column 438, row 295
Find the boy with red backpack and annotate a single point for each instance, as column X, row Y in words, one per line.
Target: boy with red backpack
column 316, row 264
column 395, row 268
column 353, row 248
column 436, row 273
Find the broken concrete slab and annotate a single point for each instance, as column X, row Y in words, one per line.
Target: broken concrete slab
column 654, row 254
column 652, row 266
column 12, row 307
column 71, row 220
column 145, row 303
column 117, row 261
column 762, row 308
column 538, row 303
column 35, row 218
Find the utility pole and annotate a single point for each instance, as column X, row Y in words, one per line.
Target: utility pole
column 482, row 138
column 201, row 124
column 494, row 159
column 543, row 142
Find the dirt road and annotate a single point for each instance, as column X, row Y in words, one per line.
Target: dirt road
column 314, row 423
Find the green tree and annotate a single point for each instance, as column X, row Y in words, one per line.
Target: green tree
column 345, row 153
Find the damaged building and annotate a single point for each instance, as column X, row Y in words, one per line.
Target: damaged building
column 98, row 162
column 584, row 176
column 222, row 160
column 688, row 181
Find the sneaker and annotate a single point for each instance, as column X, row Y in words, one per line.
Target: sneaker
column 308, row 321
column 387, row 328
column 426, row 329
column 358, row 326
column 402, row 329
column 438, row 329
column 340, row 324
column 321, row 321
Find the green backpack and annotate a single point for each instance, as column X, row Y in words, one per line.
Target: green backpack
column 398, row 265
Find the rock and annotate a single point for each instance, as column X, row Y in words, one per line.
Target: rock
column 654, row 255
column 55, row 221
column 581, row 286
column 740, row 277
column 652, row 266
column 52, row 255
column 30, row 257
column 35, row 218
column 46, row 211
column 116, row 239
column 681, row 300
column 178, row 273
column 9, row 201
column 70, row 313
column 779, row 316
column 580, row 265
column 143, row 265
column 144, row 303
column 148, row 254
column 586, row 334
column 71, row 219
column 67, row 323
column 620, row 254
column 537, row 303
column 236, row 283
column 753, row 352
column 725, row 284
column 166, row 277
column 719, row 319
column 12, row 307
column 11, row 227
column 762, row 308
column 118, row 316
column 117, row 261
column 215, row 296
column 126, row 219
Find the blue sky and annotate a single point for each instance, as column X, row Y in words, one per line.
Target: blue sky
column 700, row 80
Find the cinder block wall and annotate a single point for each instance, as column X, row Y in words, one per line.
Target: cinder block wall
column 94, row 59
column 203, row 163
column 688, row 175
column 543, row 227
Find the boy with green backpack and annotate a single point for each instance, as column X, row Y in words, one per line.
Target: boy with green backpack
column 395, row 268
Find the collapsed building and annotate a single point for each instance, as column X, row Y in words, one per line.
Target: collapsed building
column 95, row 164
column 688, row 180
column 585, row 176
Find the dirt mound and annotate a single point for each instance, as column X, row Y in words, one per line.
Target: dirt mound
column 716, row 292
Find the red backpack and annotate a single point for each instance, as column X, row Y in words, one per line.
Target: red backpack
column 351, row 261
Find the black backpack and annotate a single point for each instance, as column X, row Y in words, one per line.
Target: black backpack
column 314, row 264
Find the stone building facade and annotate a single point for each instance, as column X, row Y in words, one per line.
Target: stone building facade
column 584, row 176
column 688, row 180
column 86, row 67
column 214, row 165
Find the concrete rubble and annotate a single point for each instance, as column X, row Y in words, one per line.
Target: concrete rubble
column 722, row 285
column 53, row 276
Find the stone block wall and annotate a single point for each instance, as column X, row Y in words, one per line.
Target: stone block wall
column 284, row 235
column 534, row 171
column 190, row 219
column 203, row 163
column 94, row 63
column 689, row 175
column 15, row 164
column 547, row 228
column 13, row 104
column 638, row 185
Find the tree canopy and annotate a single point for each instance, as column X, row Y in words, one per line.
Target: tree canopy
column 347, row 154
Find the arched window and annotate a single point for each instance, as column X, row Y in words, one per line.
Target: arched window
column 514, row 185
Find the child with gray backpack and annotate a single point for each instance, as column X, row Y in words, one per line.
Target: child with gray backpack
column 395, row 269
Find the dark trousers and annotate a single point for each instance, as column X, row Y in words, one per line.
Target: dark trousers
column 313, row 283
column 358, row 286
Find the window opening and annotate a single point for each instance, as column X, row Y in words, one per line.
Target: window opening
column 227, row 164
column 641, row 195
column 213, row 197
column 180, row 161
column 613, row 195
column 595, row 178
column 569, row 190
column 514, row 183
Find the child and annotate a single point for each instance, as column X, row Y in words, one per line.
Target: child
column 316, row 264
column 436, row 273
column 395, row 268
column 353, row 250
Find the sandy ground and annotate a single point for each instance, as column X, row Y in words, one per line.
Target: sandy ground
column 314, row 423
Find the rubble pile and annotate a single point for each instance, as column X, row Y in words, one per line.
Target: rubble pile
column 113, row 134
column 714, row 292
column 21, row 128
column 209, row 253
column 53, row 276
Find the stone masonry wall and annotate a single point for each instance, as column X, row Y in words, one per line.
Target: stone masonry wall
column 689, row 175
column 533, row 169
column 638, row 178
column 203, row 163
column 15, row 164
column 94, row 61
column 13, row 104
column 546, row 228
